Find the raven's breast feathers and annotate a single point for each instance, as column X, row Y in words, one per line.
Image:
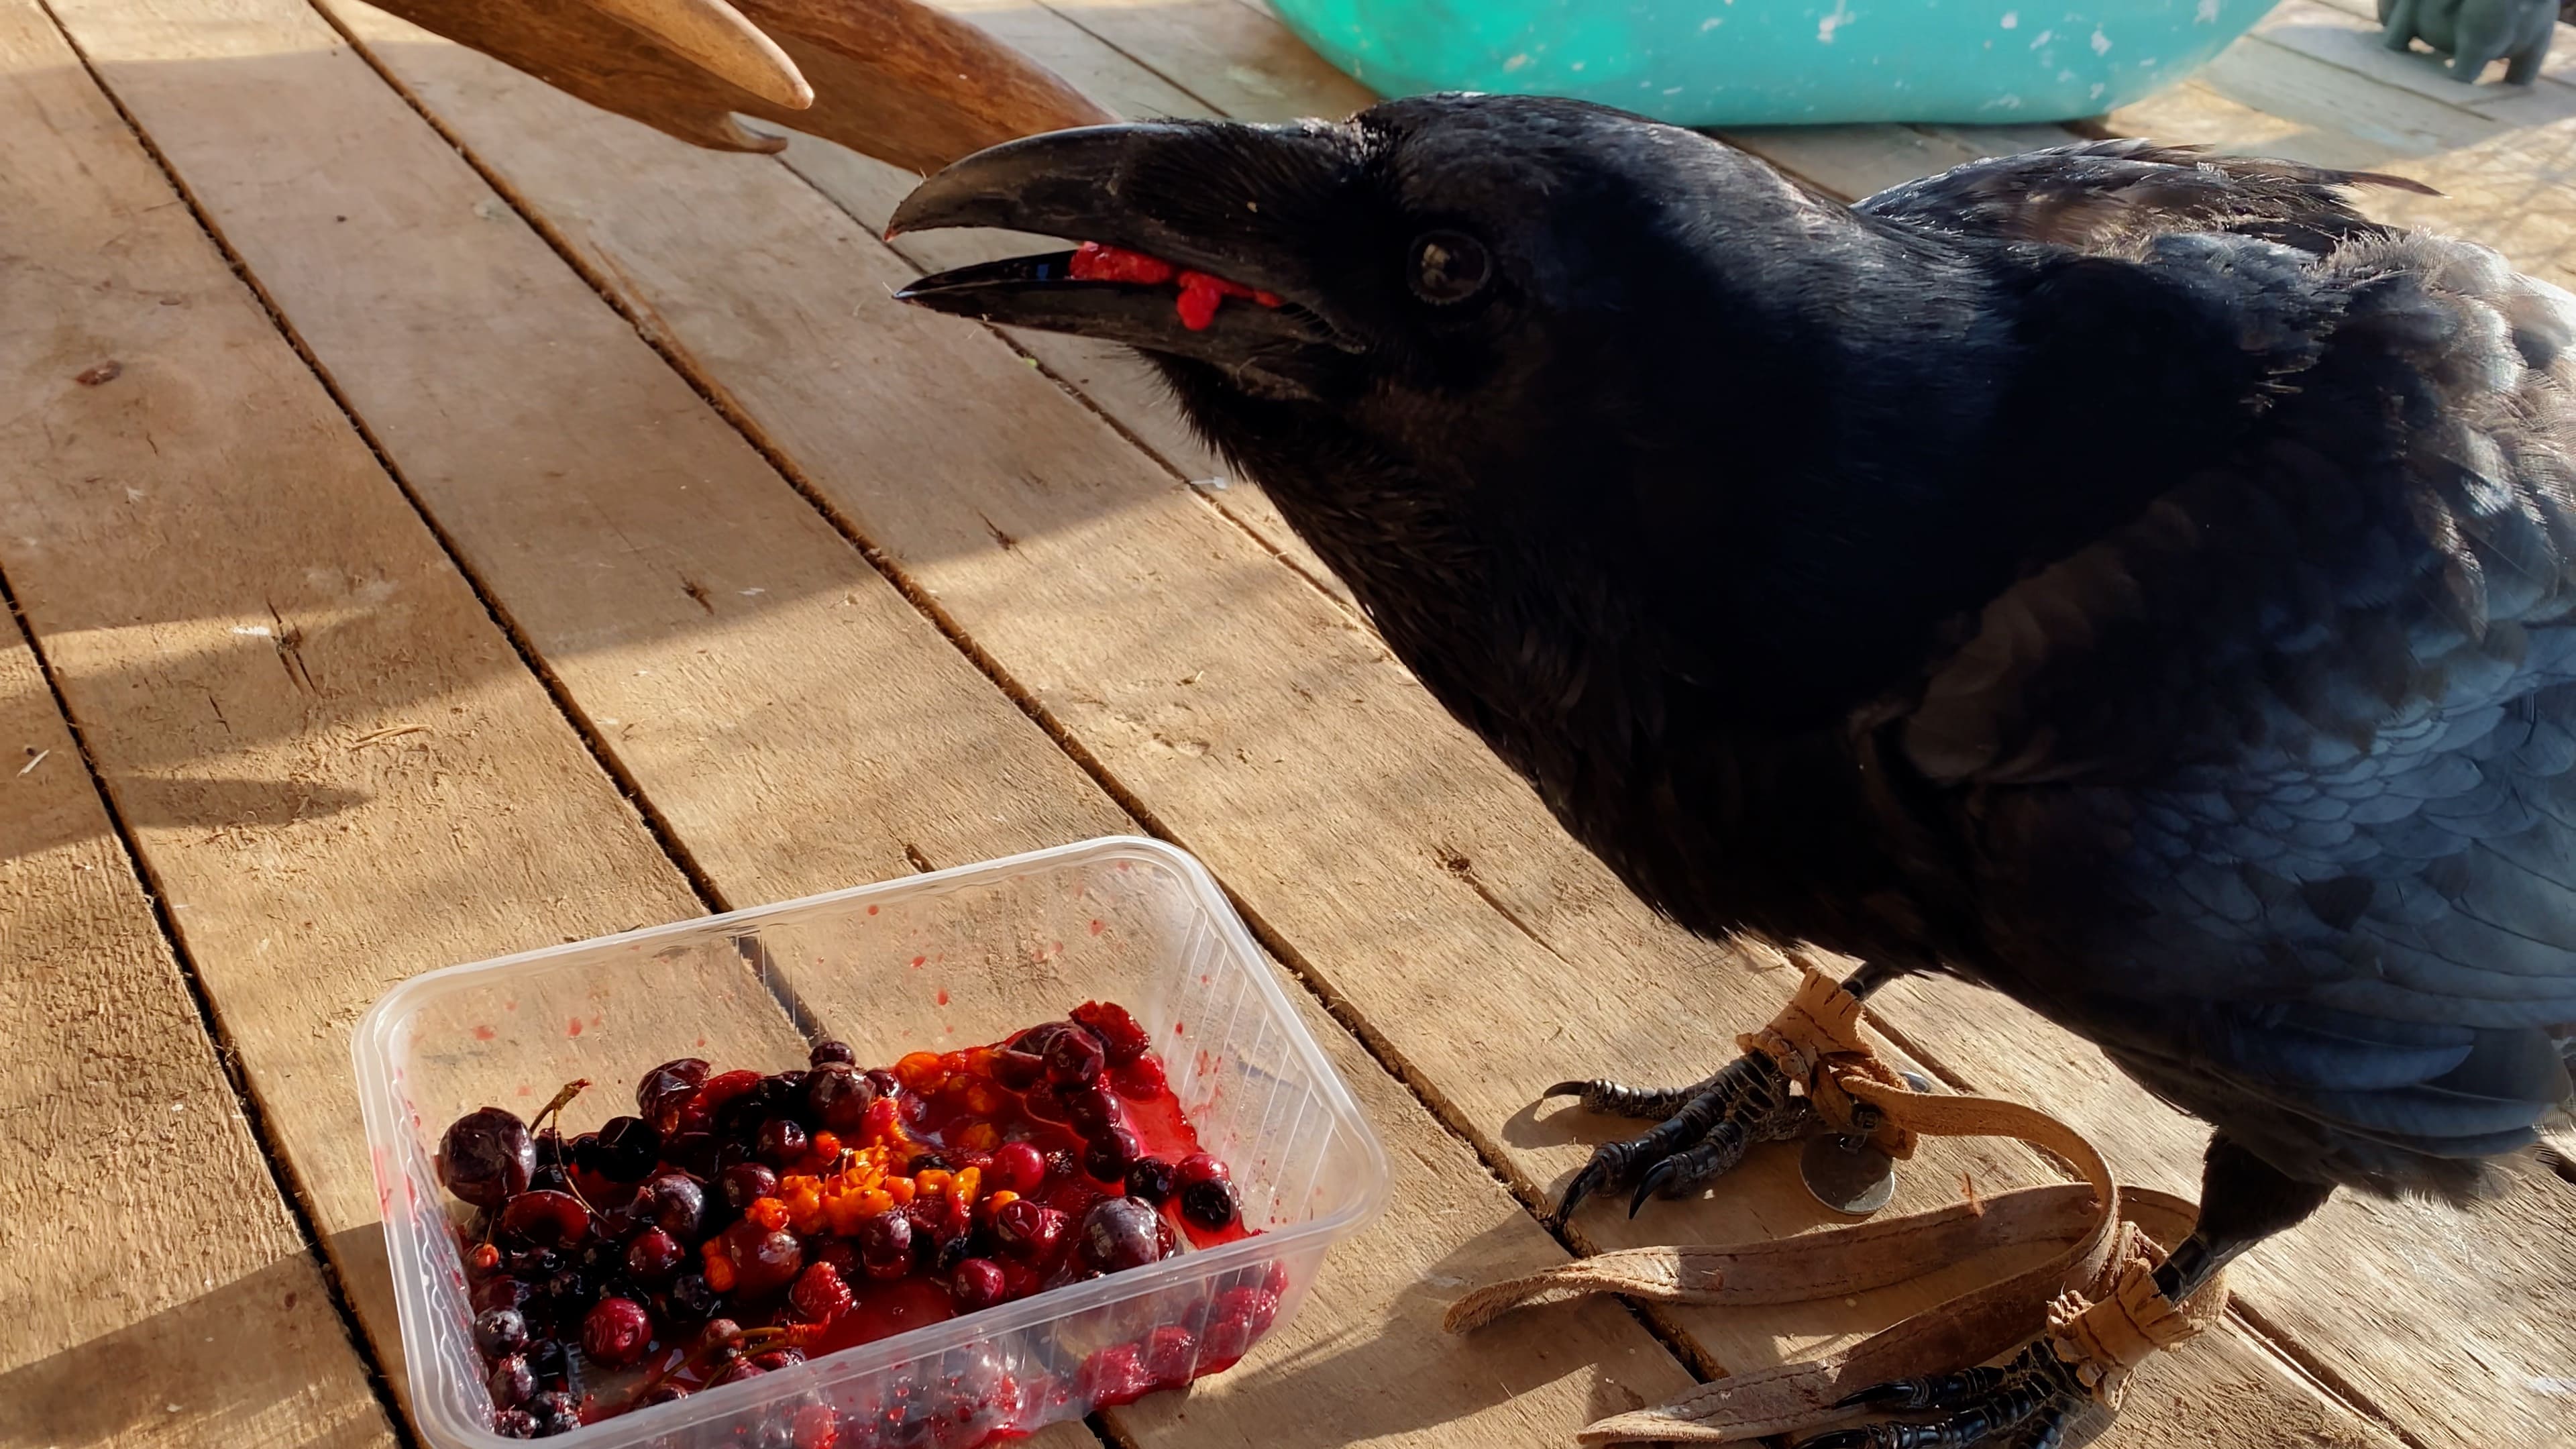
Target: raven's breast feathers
column 2287, row 762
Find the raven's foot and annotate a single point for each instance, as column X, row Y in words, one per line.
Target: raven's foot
column 1703, row 1130
column 2033, row 1402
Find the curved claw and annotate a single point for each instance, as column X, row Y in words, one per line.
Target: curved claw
column 1593, row 1175
column 1656, row 1176
column 1564, row 1089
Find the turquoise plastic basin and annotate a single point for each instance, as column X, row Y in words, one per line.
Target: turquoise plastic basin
column 1782, row 62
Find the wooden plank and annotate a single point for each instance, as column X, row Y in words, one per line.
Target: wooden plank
column 977, row 780
column 336, row 768
column 145, row 1239
column 1258, row 723
column 2349, row 36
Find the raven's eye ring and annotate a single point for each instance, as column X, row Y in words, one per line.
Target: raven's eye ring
column 1448, row 267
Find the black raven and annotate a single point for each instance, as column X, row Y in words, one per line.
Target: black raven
column 2118, row 575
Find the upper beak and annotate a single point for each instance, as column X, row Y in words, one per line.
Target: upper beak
column 1159, row 188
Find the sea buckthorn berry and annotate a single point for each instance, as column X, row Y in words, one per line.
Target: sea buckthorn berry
column 484, row 1259
column 1074, row 1057
column 885, row 1245
column 980, row 1137
column 838, row 1096
column 820, row 1295
column 1121, row 1233
column 920, row 1072
column 1019, row 1167
column 1028, row 1230
column 782, row 1142
column 545, row 1220
column 768, row 1212
column 829, row 1053
column 1141, row 1080
column 1153, row 1180
column 977, row 1283
column 996, row 1200
column 654, row 1256
column 718, row 1265
column 511, row 1381
column 616, row 1332
column 1210, row 1204
column 826, row 1147
column 1119, row 1034
column 1201, row 1167
column 487, row 1157
column 745, row 1183
column 1108, row 1156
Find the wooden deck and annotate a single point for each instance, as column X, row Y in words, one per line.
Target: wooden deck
column 441, row 519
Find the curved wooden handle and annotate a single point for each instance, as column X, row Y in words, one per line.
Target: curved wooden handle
column 716, row 36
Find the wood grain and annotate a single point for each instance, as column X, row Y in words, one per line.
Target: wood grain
column 817, row 735
column 144, row 1237
column 1254, row 719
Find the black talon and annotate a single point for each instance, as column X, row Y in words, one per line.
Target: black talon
column 1656, row 1176
column 1981, row 1403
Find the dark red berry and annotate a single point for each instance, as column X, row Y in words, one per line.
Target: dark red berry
column 977, row 1283
column 736, row 1372
column 501, row 1290
column 817, row 1427
column 1018, row 1167
column 1141, row 1080
column 1171, row 1355
column 1210, row 1204
column 654, row 1256
column 1074, row 1056
column 511, row 1381
column 514, row 1424
column 1201, row 1167
column 555, row 1413
column 837, row 1252
column 627, row 1151
column 723, row 1090
column 692, row 1296
column 819, row 1295
column 1094, row 1109
column 660, row 1093
column 663, row 1393
column 745, row 1183
column 546, row 1356
column 1018, row 1070
column 779, row 1358
column 886, row 1082
column 1120, row 1037
column 827, row 1053
column 1028, row 1230
column 764, row 1261
column 499, row 1331
column 1153, row 1180
column 1108, row 1156
column 487, row 1157
column 782, row 1141
column 1115, row 1375
column 1121, row 1233
column 837, row 1095
column 1237, row 1318
column 678, row 1206
column 616, row 1332
column 717, row 1339
column 885, row 1245
column 544, row 1220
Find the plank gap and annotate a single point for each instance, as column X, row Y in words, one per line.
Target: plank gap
column 227, row 1057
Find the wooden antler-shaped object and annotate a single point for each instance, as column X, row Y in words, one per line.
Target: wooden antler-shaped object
column 893, row 79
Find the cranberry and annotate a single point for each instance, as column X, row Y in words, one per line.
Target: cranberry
column 514, row 1424
column 664, row 1392
column 764, row 1260
column 1121, row 1233
column 678, row 1206
column 1093, row 1109
column 1171, row 1355
column 831, row 1053
column 501, row 1290
column 1074, row 1056
column 628, row 1148
column 886, row 1082
column 1109, row 1155
column 1120, row 1037
column 1237, row 1318
column 736, row 1372
column 512, row 1382
column 555, row 1413
column 1210, row 1204
column 499, row 1331
column 837, row 1095
column 782, row 1141
column 616, row 1332
column 885, row 1245
column 1115, row 1375
column 977, row 1283
column 691, row 1152
column 723, row 1089
column 779, row 1358
column 654, row 1256
column 669, row 1084
column 692, row 1296
column 820, row 1295
column 1141, row 1080
column 487, row 1157
column 835, row 1251
column 1017, row 1167
column 1029, row 1231
column 1201, row 1167
column 1153, row 1180
column 544, row 1220
column 1046, row 1104
column 745, row 1183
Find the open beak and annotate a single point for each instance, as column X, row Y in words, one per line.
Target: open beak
column 1155, row 203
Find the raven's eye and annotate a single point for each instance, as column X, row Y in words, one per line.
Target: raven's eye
column 1448, row 266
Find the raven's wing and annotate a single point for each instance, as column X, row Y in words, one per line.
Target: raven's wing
column 2272, row 789
column 2109, row 196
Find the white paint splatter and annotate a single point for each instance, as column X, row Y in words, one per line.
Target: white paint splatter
column 2101, row 42
column 1711, row 23
column 2095, row 94
column 1826, row 27
column 2011, row 18
column 2207, row 14
column 2042, row 38
column 2004, row 103
column 1516, row 62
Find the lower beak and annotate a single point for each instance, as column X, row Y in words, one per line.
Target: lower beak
column 1113, row 185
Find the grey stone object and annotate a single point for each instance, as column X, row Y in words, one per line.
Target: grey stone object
column 2474, row 32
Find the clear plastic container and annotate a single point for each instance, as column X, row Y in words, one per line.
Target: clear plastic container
column 938, row 961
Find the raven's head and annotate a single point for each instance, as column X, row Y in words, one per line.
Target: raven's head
column 1436, row 272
